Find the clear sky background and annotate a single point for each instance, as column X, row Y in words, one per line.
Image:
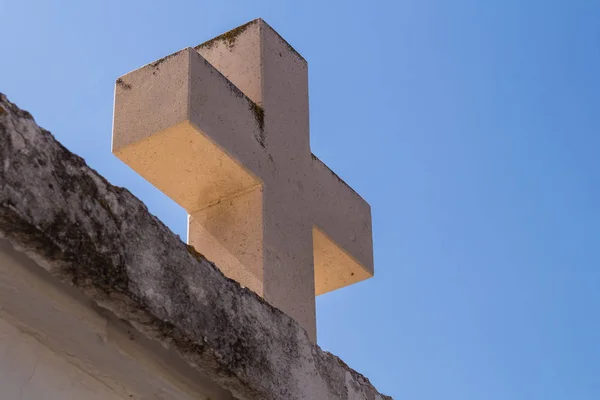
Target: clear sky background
column 472, row 128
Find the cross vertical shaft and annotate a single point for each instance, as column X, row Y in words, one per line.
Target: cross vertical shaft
column 262, row 65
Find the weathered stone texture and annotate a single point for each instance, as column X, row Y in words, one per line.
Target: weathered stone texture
column 103, row 240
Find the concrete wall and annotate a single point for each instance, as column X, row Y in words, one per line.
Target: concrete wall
column 31, row 371
column 89, row 272
column 55, row 344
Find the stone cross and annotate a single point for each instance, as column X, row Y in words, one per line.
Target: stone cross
column 223, row 130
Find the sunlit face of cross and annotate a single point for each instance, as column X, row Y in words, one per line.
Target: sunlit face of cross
column 223, row 130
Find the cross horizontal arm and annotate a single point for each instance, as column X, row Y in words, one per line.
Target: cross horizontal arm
column 342, row 238
column 188, row 130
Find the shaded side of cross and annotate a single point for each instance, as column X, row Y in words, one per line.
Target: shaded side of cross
column 223, row 129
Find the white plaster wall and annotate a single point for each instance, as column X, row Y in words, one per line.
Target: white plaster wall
column 31, row 371
column 56, row 345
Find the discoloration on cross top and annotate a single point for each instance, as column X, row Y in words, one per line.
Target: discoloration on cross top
column 223, row 129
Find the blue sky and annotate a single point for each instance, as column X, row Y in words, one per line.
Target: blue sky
column 472, row 128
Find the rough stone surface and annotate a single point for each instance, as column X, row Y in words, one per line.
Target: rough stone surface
column 103, row 240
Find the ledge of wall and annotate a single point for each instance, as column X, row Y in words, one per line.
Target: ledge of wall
column 102, row 240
